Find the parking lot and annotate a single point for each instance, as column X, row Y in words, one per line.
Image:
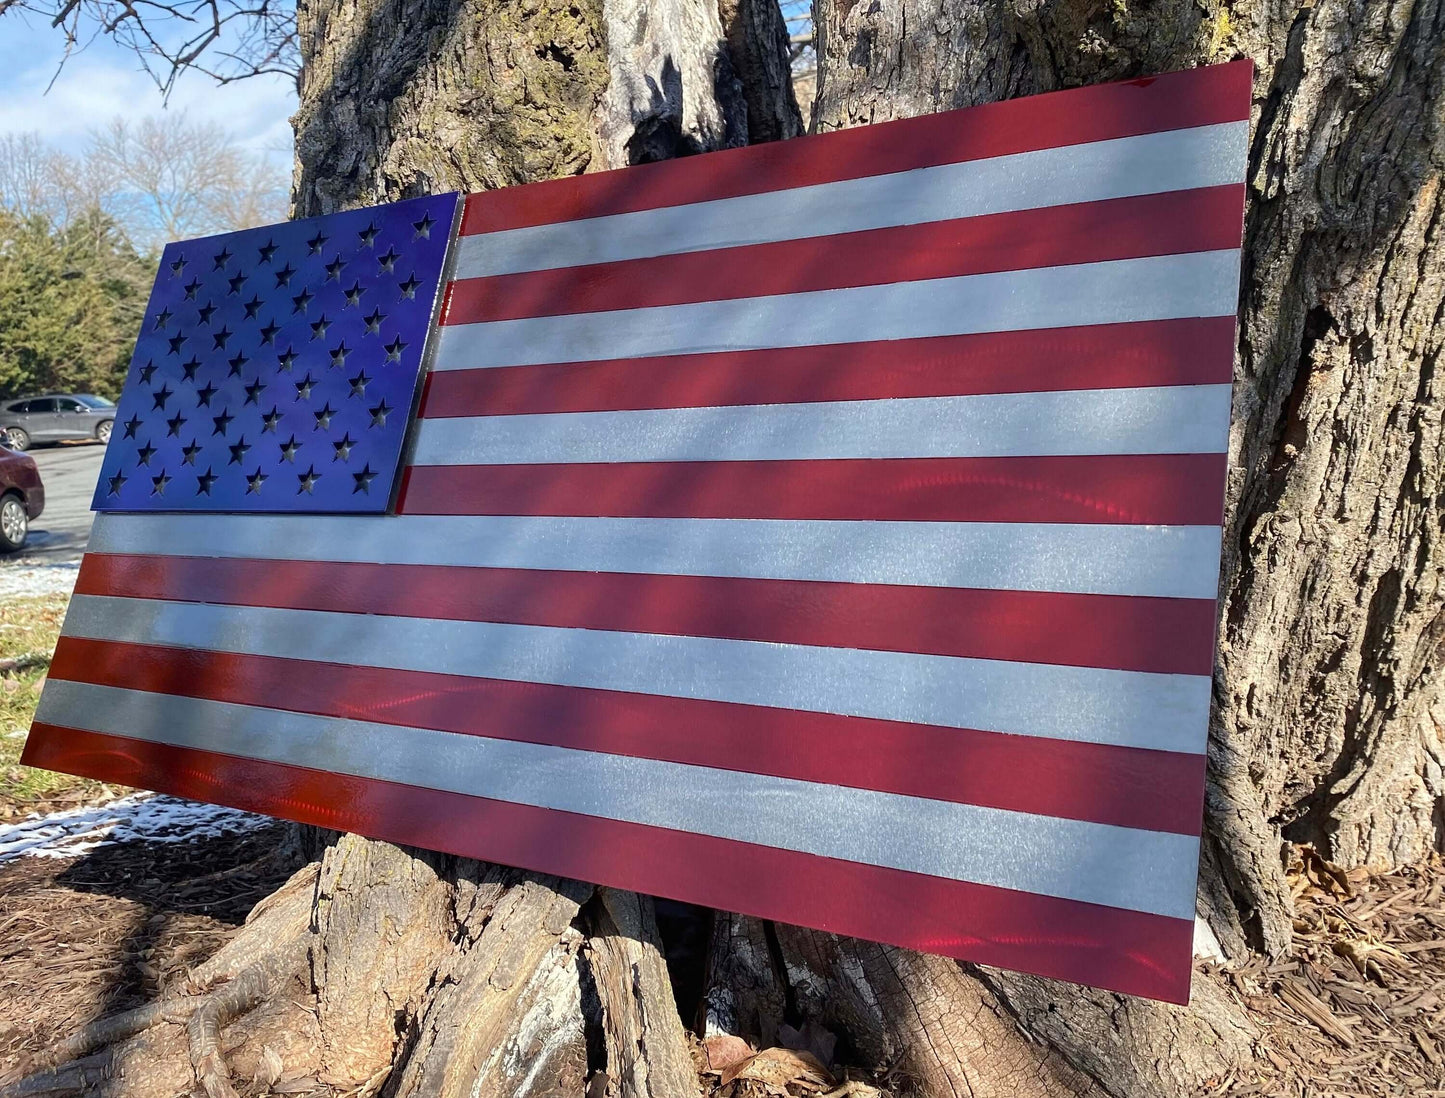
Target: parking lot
column 69, row 472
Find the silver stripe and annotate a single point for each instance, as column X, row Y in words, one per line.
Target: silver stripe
column 1084, row 704
column 1205, row 156
column 1169, row 561
column 1096, row 863
column 1155, row 288
column 1181, row 419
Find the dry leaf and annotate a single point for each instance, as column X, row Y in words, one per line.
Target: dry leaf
column 1371, row 958
column 775, row 1068
column 724, row 1050
column 295, row 1084
column 1331, row 879
column 269, row 1068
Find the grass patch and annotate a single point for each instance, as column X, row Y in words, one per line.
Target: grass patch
column 28, row 631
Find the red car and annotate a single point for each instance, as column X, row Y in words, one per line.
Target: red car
column 22, row 498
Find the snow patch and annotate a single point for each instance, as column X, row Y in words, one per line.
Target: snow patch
column 141, row 817
column 1206, row 945
column 30, row 580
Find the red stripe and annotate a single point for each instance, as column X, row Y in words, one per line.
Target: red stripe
column 1132, row 633
column 1106, row 356
column 1088, row 232
column 1201, row 97
column 1126, row 787
column 1186, row 489
column 1126, row 951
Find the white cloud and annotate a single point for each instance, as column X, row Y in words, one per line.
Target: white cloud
column 103, row 81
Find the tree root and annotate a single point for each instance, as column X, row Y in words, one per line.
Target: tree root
column 253, row 959
column 248, row 990
column 76, row 1077
column 647, row 1054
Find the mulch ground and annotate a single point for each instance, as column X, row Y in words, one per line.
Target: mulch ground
column 85, row 937
column 1358, row 1009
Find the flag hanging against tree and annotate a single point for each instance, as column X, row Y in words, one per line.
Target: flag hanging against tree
column 826, row 530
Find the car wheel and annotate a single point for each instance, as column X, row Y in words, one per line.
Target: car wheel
column 102, row 431
column 16, row 438
column 14, row 523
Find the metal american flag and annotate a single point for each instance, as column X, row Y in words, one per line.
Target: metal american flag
column 826, row 530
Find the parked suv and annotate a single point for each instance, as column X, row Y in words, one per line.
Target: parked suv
column 55, row 417
column 22, row 498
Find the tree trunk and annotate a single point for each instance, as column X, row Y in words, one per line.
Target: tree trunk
column 1330, row 689
column 418, row 973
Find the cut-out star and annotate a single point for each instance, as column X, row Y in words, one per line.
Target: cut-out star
column 131, row 426
column 159, row 482
column 222, row 258
column 339, row 353
column 289, row 448
column 236, row 363
column 268, row 333
column 204, row 482
column 222, row 423
column 254, row 482
column 117, row 482
column 317, row 242
column 379, row 414
column 253, row 307
column 323, row 416
column 177, row 342
column 334, row 269
column 147, row 372
column 267, row 250
column 286, row 359
column 304, row 387
column 204, row 395
column 160, row 396
column 238, row 450
column 368, row 235
column 423, row 227
column 394, row 349
column 302, row 300
column 343, row 447
column 308, row 480
column 254, row 391
column 178, row 265
column 163, row 318
column 353, row 295
column 373, row 321
column 205, row 312
column 363, row 480
column 220, row 338
column 188, row 453
column 236, row 282
column 144, row 454
column 189, row 368
column 174, row 426
column 191, row 287
column 270, row 420
column 283, row 276
column 318, row 329
column 409, row 287
column 359, row 384
column 387, row 261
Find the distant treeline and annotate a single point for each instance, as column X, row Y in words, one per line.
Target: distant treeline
column 80, row 237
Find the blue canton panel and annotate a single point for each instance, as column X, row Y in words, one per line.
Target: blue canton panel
column 276, row 367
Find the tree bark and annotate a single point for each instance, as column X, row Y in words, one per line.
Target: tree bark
column 425, row 974
column 1330, row 689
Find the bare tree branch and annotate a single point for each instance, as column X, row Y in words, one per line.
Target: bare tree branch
column 227, row 40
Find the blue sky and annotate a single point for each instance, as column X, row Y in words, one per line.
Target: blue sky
column 104, row 80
